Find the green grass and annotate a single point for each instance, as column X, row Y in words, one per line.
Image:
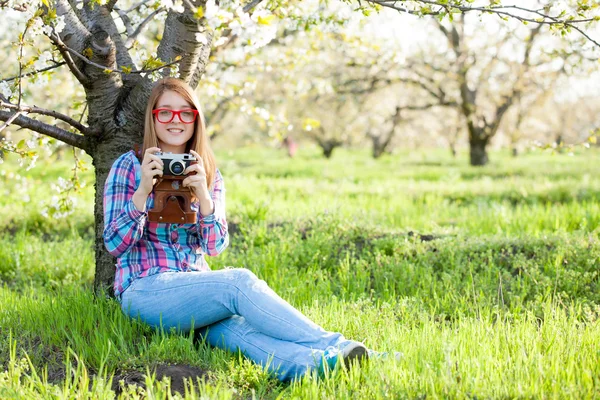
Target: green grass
column 486, row 279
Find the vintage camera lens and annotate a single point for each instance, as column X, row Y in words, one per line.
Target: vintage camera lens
column 177, row 167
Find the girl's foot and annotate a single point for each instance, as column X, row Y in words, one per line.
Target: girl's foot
column 348, row 353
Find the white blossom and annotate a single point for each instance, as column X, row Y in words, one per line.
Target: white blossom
column 36, row 28
column 154, row 76
column 160, row 17
column 222, row 40
column 59, row 24
column 139, row 55
column 5, row 89
column 215, row 16
column 135, row 19
column 201, row 38
column 47, row 29
column 168, row 4
column 39, row 81
column 42, row 60
column 32, row 161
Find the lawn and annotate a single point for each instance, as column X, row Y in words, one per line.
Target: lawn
column 486, row 279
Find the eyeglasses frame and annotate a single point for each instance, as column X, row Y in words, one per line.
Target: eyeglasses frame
column 175, row 113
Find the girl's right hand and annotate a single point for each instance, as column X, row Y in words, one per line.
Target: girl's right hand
column 152, row 166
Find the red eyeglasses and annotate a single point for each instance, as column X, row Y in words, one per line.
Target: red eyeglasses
column 165, row 115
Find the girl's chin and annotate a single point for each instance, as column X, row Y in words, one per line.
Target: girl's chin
column 172, row 147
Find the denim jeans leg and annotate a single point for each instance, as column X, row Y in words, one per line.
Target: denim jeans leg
column 287, row 360
column 179, row 299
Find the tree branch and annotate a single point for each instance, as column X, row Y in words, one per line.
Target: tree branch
column 125, row 19
column 60, row 64
column 500, row 10
column 64, row 51
column 187, row 37
column 250, row 5
column 102, row 19
column 131, row 38
column 65, row 118
column 10, row 120
column 516, row 88
column 65, row 136
column 73, row 36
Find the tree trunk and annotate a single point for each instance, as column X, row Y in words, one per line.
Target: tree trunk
column 123, row 130
column 377, row 152
column 559, row 142
column 378, row 149
column 477, row 149
column 453, row 149
column 515, row 151
column 328, row 151
column 103, row 157
column 328, row 146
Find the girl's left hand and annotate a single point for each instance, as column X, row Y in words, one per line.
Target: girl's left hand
column 197, row 182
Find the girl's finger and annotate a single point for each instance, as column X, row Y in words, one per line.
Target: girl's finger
column 195, row 168
column 198, row 158
column 155, row 164
column 152, row 150
column 152, row 157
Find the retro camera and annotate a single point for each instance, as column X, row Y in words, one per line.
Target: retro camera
column 175, row 164
column 172, row 201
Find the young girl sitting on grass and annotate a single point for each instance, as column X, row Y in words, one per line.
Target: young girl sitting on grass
column 162, row 275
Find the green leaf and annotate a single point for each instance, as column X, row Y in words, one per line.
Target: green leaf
column 266, row 20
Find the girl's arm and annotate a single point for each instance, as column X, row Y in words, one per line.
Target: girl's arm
column 212, row 228
column 123, row 222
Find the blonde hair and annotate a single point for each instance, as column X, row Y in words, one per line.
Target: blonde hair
column 199, row 141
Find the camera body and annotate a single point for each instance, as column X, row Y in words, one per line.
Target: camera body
column 175, row 164
column 173, row 201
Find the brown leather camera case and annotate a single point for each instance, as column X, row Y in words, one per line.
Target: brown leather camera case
column 172, row 202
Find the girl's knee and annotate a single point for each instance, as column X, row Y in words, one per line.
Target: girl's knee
column 244, row 275
column 248, row 281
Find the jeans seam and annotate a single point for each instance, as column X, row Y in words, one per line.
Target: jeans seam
column 271, row 315
column 261, row 349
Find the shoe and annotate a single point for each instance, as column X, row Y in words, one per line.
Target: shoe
column 348, row 353
column 384, row 355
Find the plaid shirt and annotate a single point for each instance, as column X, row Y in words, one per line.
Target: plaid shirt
column 146, row 248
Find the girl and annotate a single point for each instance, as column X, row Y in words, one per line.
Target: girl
column 162, row 275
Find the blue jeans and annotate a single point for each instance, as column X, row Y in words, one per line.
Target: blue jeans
column 235, row 310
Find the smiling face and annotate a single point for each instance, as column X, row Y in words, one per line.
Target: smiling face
column 173, row 136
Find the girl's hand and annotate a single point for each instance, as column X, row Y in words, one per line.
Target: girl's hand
column 152, row 166
column 197, row 182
